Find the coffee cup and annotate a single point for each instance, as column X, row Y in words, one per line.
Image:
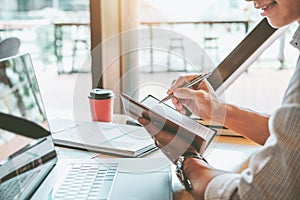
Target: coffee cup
column 101, row 104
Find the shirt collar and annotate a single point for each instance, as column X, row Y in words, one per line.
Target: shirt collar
column 296, row 39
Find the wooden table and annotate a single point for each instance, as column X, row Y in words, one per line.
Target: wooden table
column 13, row 145
column 236, row 148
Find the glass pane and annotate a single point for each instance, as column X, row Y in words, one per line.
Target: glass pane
column 262, row 87
column 216, row 27
column 189, row 30
column 54, row 32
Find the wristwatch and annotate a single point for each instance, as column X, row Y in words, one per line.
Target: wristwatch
column 179, row 168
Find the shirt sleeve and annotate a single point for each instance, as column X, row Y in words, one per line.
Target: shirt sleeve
column 273, row 172
column 223, row 187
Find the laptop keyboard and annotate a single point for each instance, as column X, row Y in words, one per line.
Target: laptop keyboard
column 87, row 181
column 14, row 187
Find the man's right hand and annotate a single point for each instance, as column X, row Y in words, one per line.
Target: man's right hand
column 201, row 100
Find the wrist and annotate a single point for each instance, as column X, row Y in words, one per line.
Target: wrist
column 180, row 168
column 193, row 165
column 193, row 155
column 219, row 112
column 200, row 174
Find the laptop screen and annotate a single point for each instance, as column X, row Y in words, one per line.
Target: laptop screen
column 22, row 151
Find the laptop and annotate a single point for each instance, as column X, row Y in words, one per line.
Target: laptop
column 31, row 168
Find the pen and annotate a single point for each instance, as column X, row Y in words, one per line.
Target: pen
column 189, row 84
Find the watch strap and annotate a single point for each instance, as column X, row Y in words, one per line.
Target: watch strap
column 179, row 168
column 194, row 155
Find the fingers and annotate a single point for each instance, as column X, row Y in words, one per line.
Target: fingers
column 205, row 85
column 150, row 127
column 163, row 137
column 178, row 105
column 171, row 144
column 179, row 82
column 143, row 121
column 185, row 93
column 188, row 93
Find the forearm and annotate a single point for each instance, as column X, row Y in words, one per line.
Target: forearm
column 248, row 123
column 200, row 174
column 210, row 183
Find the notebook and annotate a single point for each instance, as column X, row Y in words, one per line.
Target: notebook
column 30, row 166
column 162, row 115
column 116, row 139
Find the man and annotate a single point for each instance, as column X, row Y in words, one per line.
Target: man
column 273, row 172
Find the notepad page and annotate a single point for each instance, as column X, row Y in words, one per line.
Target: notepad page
column 173, row 115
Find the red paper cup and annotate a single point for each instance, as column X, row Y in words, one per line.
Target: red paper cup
column 102, row 104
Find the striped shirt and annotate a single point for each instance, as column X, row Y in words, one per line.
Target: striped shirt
column 274, row 171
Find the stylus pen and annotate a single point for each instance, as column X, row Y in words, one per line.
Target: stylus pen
column 189, row 84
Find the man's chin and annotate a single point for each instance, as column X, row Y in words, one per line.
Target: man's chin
column 272, row 23
column 276, row 24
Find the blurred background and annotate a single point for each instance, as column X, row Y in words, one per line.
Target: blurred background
column 57, row 35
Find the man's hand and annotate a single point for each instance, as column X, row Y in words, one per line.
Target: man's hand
column 171, row 144
column 201, row 100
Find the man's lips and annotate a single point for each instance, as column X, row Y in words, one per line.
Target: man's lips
column 265, row 7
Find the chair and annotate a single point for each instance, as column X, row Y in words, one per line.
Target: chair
column 9, row 47
column 176, row 43
column 81, row 38
column 210, row 41
column 85, row 42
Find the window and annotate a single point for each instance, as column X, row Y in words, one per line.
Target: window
column 254, row 88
